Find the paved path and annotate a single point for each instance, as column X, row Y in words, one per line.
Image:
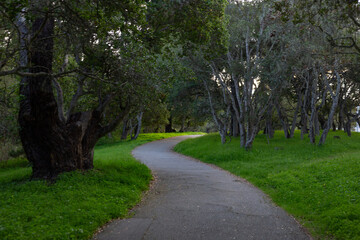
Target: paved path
column 192, row 200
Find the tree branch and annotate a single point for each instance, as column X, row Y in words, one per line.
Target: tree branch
column 107, row 99
column 60, row 100
column 111, row 126
column 75, row 98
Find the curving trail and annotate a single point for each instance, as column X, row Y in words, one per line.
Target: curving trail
column 192, row 200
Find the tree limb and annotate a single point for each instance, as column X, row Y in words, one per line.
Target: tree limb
column 75, row 98
column 111, row 126
column 60, row 100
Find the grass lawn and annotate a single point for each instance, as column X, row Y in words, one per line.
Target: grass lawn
column 320, row 186
column 78, row 203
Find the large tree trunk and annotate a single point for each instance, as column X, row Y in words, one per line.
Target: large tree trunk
column 44, row 137
column 52, row 145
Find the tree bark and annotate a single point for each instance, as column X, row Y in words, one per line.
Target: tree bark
column 304, row 129
column 49, row 144
column 335, row 98
column 131, row 127
column 269, row 130
column 341, row 117
column 283, row 120
column 182, row 128
column 347, row 127
column 138, row 126
column 125, row 129
column 313, row 108
column 304, row 111
column 221, row 126
column 316, row 124
column 52, row 145
column 333, row 126
column 168, row 127
column 235, row 126
column 293, row 124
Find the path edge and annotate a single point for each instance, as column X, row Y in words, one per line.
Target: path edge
column 245, row 181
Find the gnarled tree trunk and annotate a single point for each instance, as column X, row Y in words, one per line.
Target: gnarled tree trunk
column 43, row 135
column 51, row 144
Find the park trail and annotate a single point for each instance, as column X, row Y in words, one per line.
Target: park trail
column 193, row 200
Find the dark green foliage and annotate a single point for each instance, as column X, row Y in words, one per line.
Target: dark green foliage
column 8, row 109
column 198, row 21
column 318, row 185
column 16, row 152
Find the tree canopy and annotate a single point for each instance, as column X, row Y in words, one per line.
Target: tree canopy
column 79, row 69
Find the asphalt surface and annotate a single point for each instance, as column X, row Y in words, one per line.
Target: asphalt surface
column 193, row 200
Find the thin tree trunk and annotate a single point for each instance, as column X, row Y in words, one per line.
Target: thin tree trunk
column 235, row 126
column 269, row 130
column 138, row 125
column 182, row 125
column 304, row 112
column 333, row 126
column 131, row 127
column 313, row 109
column 341, row 118
column 168, row 127
column 348, row 127
column 283, row 120
column 125, row 129
column 235, row 100
column 316, row 124
column 335, row 98
column 221, row 126
column 304, row 129
column 293, row 124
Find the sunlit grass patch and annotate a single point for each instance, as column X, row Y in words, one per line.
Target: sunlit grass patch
column 78, row 203
column 318, row 185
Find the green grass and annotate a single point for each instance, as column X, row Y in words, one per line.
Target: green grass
column 77, row 204
column 320, row 186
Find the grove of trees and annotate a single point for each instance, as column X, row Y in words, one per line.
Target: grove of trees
column 289, row 64
column 72, row 72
